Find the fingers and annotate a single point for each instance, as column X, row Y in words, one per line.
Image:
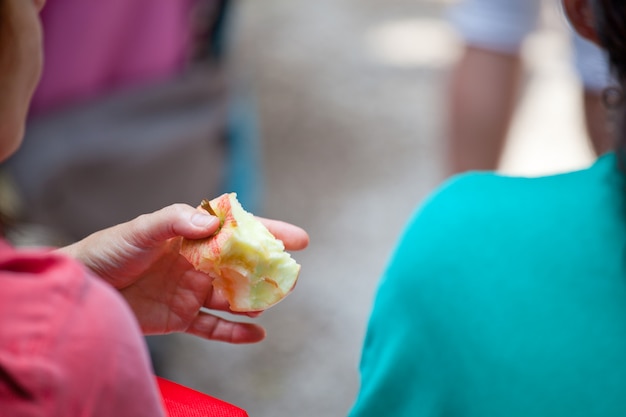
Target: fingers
column 192, row 223
column 293, row 237
column 211, row 327
column 215, row 301
column 173, row 221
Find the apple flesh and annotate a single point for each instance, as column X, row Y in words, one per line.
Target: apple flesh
column 249, row 266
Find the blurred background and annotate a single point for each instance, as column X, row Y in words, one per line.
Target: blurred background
column 348, row 100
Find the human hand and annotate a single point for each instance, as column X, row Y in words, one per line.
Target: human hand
column 141, row 259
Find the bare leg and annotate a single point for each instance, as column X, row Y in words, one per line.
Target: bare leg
column 598, row 122
column 483, row 94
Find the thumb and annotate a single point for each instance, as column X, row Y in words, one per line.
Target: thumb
column 172, row 221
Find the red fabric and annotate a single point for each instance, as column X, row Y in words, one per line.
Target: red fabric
column 181, row 401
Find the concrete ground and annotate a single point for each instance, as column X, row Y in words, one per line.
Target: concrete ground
column 351, row 101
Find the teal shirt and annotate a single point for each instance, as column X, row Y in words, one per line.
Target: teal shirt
column 504, row 297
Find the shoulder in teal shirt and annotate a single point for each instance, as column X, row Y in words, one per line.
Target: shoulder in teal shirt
column 504, row 297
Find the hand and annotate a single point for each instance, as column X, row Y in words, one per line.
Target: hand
column 141, row 259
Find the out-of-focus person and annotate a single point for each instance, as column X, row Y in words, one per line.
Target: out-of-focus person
column 72, row 318
column 137, row 104
column 485, row 82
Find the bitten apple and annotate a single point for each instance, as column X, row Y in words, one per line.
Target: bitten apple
column 249, row 266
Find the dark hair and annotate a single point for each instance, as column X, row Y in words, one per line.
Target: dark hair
column 610, row 25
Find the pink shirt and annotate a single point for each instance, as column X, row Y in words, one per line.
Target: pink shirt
column 96, row 46
column 69, row 344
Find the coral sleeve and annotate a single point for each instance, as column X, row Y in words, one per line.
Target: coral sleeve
column 69, row 344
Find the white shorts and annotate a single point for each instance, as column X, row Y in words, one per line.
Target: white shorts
column 503, row 25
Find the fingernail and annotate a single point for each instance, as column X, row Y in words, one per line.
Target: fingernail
column 203, row 220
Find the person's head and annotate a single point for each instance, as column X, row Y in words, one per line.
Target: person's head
column 20, row 68
column 604, row 22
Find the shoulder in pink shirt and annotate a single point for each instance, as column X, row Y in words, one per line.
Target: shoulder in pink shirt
column 69, row 344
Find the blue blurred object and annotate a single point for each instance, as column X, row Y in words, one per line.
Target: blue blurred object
column 245, row 174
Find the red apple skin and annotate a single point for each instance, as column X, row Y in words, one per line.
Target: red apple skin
column 197, row 251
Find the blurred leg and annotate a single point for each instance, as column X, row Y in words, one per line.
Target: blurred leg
column 484, row 84
column 483, row 93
